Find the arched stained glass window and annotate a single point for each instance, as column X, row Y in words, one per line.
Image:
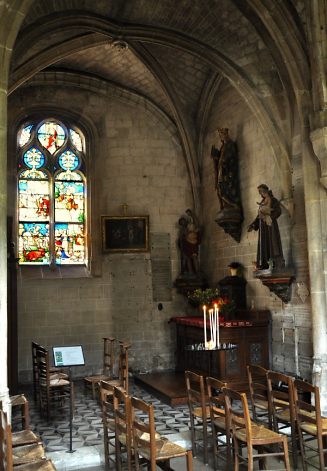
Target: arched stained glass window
column 51, row 194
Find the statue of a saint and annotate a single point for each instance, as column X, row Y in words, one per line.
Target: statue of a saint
column 269, row 250
column 189, row 242
column 226, row 172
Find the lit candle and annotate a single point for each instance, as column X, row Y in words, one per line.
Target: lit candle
column 211, row 327
column 205, row 325
column 217, row 325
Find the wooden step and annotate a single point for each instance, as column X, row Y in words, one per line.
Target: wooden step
column 169, row 387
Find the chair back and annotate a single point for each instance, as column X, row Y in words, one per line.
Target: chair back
column 6, row 458
column 144, row 433
column 123, row 430
column 258, row 390
column 108, row 356
column 195, row 392
column 43, row 368
column 281, row 398
column 123, row 364
column 238, row 415
column 307, row 411
column 106, row 391
column 216, row 398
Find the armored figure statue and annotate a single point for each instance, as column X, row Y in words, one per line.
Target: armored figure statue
column 226, row 171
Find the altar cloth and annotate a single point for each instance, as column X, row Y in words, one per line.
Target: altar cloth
column 197, row 321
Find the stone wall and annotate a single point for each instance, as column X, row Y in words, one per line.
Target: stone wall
column 291, row 323
column 136, row 160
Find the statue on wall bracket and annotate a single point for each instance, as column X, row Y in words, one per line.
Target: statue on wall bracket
column 189, row 240
column 269, row 266
column 227, row 185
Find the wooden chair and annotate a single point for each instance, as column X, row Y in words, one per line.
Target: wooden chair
column 149, row 445
column 53, row 371
column 22, row 437
column 52, row 388
column 251, row 435
column 199, row 410
column 122, row 380
column 218, row 417
column 10, row 456
column 108, row 366
column 281, row 403
column 108, row 419
column 312, row 427
column 258, row 390
column 123, row 430
column 20, row 402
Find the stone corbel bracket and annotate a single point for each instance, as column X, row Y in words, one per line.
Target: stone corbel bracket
column 278, row 283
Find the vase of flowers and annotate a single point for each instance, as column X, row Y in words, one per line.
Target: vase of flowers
column 209, row 297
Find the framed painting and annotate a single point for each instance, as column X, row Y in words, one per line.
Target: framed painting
column 125, row 233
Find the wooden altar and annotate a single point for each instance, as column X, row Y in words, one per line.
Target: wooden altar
column 250, row 331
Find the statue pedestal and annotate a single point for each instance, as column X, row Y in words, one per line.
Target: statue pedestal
column 187, row 284
column 279, row 283
column 230, row 219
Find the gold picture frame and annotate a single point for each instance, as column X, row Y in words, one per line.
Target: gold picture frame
column 125, row 234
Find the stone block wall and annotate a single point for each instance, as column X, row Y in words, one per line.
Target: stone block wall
column 136, row 161
column 291, row 323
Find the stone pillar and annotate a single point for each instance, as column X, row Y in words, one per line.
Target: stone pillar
column 316, row 210
column 11, row 15
column 4, row 64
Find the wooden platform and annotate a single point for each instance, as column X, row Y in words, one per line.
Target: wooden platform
column 169, row 387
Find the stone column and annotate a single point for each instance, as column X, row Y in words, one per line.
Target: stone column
column 316, row 207
column 11, row 15
column 4, row 65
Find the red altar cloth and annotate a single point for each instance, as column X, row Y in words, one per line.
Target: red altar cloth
column 197, row 321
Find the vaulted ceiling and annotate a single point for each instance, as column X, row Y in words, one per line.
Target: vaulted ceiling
column 173, row 54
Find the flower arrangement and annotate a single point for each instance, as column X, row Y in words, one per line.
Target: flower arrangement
column 209, row 297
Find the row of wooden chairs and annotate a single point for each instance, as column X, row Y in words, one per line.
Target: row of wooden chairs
column 22, row 450
column 108, row 373
column 51, row 385
column 129, row 426
column 279, row 403
column 286, row 402
column 212, row 403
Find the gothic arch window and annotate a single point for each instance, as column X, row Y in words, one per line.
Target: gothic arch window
column 51, row 194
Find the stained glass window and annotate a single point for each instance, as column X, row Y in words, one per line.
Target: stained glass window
column 76, row 139
column 24, row 135
column 51, row 195
column 51, row 136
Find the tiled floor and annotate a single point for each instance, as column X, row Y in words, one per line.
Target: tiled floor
column 87, row 436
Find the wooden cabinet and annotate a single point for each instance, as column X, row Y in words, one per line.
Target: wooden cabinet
column 250, row 334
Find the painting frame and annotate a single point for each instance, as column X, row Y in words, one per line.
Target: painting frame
column 125, row 234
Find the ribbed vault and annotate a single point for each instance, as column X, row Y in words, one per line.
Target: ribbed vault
column 175, row 54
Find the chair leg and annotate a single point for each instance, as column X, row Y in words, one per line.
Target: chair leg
column 189, row 460
column 192, row 434
column 286, row 457
column 236, row 457
column 215, row 448
column 205, row 441
column 294, row 445
column 228, row 449
column 250, row 458
column 321, row 452
column 118, row 455
column 304, row 465
column 106, row 448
